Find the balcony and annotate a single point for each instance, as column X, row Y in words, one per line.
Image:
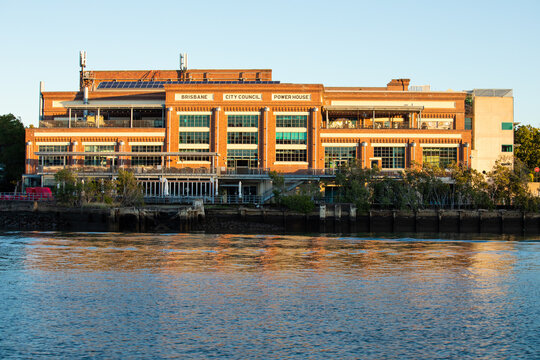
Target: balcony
column 371, row 117
column 151, row 116
column 345, row 123
column 91, row 123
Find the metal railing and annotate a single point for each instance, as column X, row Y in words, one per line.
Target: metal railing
column 137, row 170
column 25, row 197
column 217, row 199
column 116, row 123
column 366, row 125
column 244, row 171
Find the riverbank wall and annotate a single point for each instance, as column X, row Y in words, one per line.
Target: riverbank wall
column 338, row 219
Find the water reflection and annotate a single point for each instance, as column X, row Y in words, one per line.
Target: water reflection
column 241, row 296
column 198, row 252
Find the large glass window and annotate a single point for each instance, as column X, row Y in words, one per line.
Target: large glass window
column 441, row 157
column 392, row 157
column 52, row 160
column 291, row 155
column 97, row 160
column 146, row 160
column 194, row 121
column 194, row 157
column 337, row 156
column 242, row 120
column 291, row 138
column 242, row 158
column 193, row 137
column 242, row 138
column 291, row 121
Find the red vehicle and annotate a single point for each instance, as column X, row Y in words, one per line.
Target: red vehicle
column 39, row 193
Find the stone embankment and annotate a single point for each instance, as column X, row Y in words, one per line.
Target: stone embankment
column 27, row 216
column 344, row 219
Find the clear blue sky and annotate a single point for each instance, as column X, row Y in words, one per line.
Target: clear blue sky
column 457, row 45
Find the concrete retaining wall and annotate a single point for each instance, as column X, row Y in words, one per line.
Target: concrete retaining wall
column 327, row 219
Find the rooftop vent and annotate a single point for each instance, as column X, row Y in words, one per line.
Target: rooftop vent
column 420, row 88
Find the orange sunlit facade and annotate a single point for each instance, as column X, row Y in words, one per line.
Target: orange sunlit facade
column 236, row 125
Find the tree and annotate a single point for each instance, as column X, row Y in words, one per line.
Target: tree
column 68, row 190
column 301, row 201
column 11, row 150
column 129, row 191
column 353, row 182
column 470, row 188
column 278, row 185
column 527, row 145
column 508, row 186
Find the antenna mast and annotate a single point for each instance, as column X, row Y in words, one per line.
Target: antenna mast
column 183, row 65
column 82, row 61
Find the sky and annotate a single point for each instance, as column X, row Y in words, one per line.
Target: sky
column 458, row 45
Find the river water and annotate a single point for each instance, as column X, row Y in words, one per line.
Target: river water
column 183, row 296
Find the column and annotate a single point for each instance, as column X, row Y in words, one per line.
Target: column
column 314, row 138
column 265, row 116
column 412, row 150
column 217, row 111
column 466, row 153
column 363, row 147
column 29, row 157
column 169, row 130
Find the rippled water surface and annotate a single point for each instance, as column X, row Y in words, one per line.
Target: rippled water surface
column 259, row 297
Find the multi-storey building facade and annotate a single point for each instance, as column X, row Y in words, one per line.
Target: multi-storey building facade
column 209, row 132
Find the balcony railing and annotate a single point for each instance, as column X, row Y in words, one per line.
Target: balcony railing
column 137, row 170
column 208, row 199
column 358, row 124
column 25, row 197
column 116, row 123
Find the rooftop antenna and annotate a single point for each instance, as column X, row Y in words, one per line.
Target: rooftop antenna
column 83, row 59
column 183, row 62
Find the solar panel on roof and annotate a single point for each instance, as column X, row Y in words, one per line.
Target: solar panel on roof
column 160, row 83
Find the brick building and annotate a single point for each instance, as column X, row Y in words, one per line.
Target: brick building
column 208, row 132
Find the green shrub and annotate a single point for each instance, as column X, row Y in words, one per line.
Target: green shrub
column 298, row 202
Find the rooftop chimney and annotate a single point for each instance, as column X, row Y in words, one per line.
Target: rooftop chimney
column 398, row 85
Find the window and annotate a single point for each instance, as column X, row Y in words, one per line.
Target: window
column 97, row 160
column 242, row 120
column 291, row 121
column 442, row 124
column 145, row 160
column 468, row 123
column 194, row 157
column 506, row 148
column 392, row 157
column 507, row 126
column 242, row 138
column 291, row 155
column 342, row 123
column 441, row 157
column 52, row 160
column 194, row 121
column 291, row 138
column 193, row 137
column 337, row 156
column 242, row 158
